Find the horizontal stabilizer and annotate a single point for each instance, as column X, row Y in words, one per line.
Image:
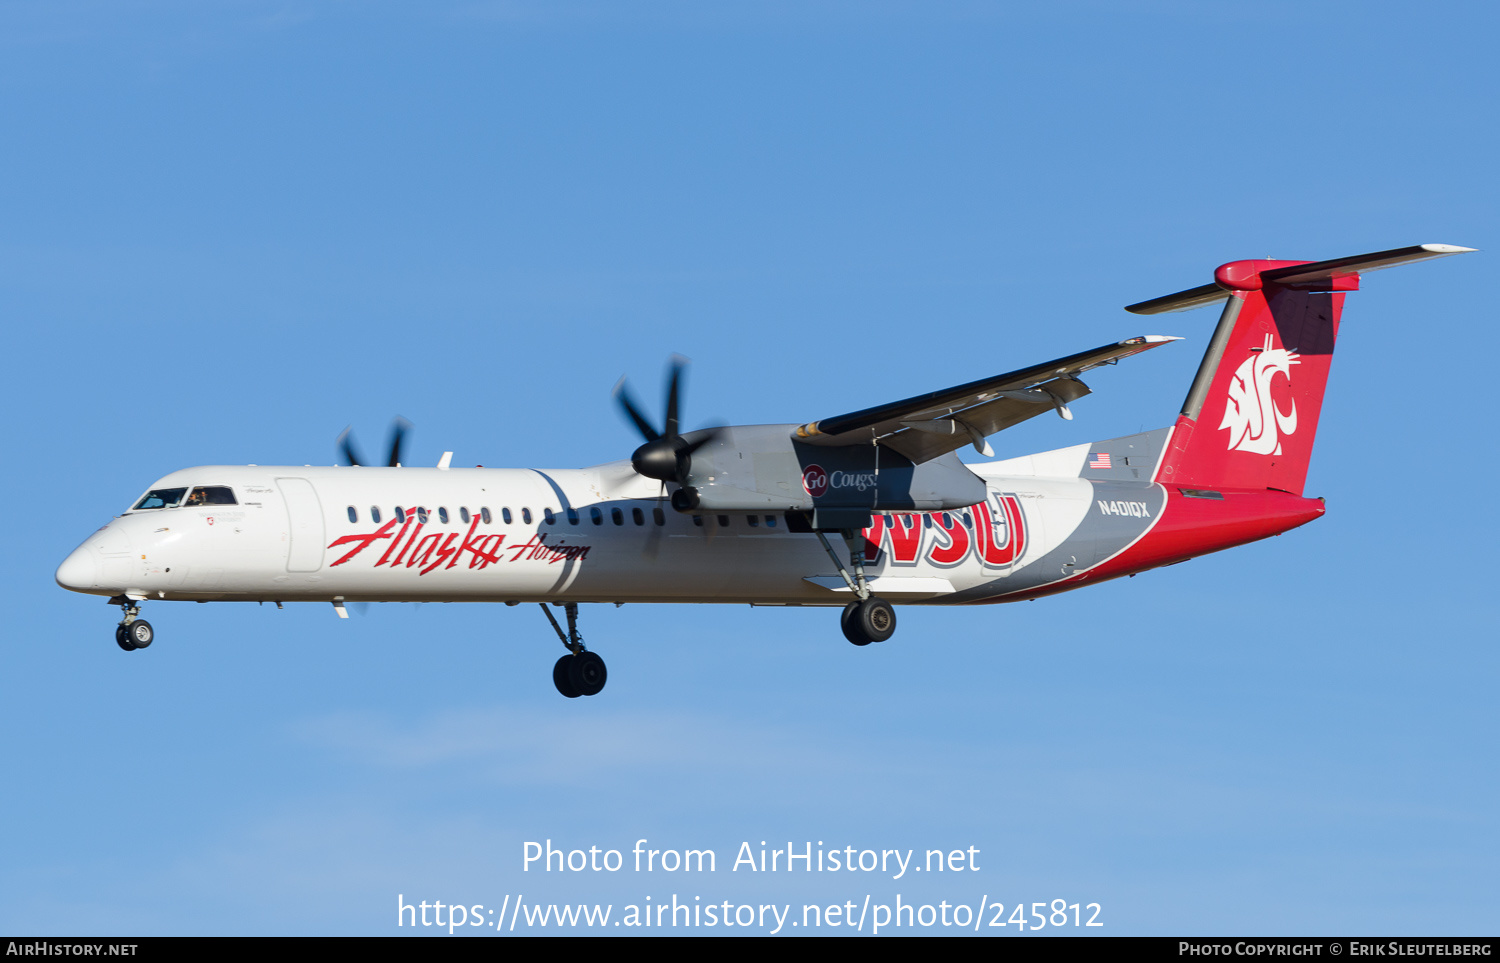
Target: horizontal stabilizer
column 1250, row 275
column 1360, row 263
column 1181, row 301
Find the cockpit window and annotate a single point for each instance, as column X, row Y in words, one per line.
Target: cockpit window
column 217, row 495
column 161, row 498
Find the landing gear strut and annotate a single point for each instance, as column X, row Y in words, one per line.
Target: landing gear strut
column 580, row 672
column 133, row 632
column 867, row 619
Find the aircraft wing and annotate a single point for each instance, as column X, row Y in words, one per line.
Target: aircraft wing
column 924, row 427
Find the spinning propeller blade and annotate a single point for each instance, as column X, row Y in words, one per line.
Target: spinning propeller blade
column 399, row 428
column 666, row 456
column 346, row 446
column 622, row 395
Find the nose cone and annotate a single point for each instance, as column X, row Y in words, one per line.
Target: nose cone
column 79, row 572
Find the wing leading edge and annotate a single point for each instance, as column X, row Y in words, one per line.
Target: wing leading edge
column 926, row 426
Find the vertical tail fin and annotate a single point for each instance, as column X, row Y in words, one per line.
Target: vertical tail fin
column 1251, row 414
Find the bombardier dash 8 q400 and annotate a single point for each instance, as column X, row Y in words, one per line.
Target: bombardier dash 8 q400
column 858, row 511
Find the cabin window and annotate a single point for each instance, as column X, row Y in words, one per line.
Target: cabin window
column 754, row 520
column 422, row 515
column 617, row 516
column 637, row 516
column 947, row 520
column 572, row 516
column 400, row 515
column 463, row 515
column 353, row 515
column 504, row 515
column 698, row 520
column 770, row 521
column 443, row 515
column 968, row 520
column 525, row 516
column 658, row 516
column 375, row 514
column 217, row 495
column 550, row 518
column 597, row 516
column 909, row 522
column 926, row 521
column 723, row 521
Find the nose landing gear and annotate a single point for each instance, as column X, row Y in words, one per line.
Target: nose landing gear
column 580, row 672
column 133, row 632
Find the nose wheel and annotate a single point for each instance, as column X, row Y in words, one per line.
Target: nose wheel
column 136, row 635
column 133, row 632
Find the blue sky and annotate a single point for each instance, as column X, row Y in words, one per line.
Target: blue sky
column 231, row 229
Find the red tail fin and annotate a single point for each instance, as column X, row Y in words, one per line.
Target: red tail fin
column 1251, row 415
column 1254, row 423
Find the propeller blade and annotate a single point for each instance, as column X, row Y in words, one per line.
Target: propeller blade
column 398, row 434
column 346, row 445
column 666, row 455
column 622, row 395
column 712, row 433
column 685, row 452
column 674, row 386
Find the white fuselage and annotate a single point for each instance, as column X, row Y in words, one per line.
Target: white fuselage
column 521, row 535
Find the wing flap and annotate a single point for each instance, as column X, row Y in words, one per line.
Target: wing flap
column 924, row 444
column 926, row 426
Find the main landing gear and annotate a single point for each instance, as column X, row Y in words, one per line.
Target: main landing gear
column 580, row 672
column 867, row 619
column 133, row 632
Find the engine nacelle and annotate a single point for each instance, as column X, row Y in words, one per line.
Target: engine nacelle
column 762, row 468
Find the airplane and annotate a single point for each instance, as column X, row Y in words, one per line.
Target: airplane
column 758, row 513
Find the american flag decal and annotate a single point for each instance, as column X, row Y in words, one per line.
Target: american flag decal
column 1101, row 460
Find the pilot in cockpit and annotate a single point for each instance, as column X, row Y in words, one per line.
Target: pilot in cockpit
column 198, row 497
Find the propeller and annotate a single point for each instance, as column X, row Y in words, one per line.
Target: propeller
column 399, row 428
column 667, row 455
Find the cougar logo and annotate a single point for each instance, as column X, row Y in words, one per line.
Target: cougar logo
column 1251, row 416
